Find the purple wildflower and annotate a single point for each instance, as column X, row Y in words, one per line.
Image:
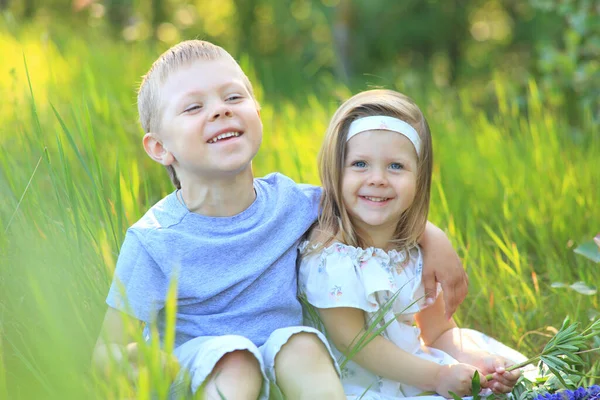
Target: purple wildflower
column 590, row 393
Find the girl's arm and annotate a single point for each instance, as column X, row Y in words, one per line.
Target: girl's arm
column 442, row 264
column 443, row 334
column 387, row 360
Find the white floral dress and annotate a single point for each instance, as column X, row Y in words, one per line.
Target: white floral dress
column 377, row 282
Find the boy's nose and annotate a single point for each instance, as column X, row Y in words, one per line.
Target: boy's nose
column 221, row 111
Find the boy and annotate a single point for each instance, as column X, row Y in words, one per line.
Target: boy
column 229, row 239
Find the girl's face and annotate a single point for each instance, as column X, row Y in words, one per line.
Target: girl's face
column 379, row 182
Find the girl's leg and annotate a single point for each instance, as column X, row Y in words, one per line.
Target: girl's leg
column 303, row 365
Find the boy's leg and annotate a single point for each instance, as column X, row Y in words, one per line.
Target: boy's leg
column 237, row 375
column 221, row 366
column 299, row 360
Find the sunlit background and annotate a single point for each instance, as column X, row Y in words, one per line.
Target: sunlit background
column 511, row 90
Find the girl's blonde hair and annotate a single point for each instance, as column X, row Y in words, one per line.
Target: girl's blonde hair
column 182, row 54
column 334, row 221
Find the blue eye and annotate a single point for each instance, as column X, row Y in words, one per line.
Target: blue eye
column 359, row 164
column 396, row 166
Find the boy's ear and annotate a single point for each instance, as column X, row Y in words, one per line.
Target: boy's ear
column 156, row 150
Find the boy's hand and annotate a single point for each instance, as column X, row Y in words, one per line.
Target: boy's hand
column 168, row 363
column 457, row 378
column 128, row 360
column 442, row 264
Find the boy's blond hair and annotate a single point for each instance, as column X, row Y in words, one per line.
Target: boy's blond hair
column 334, row 220
column 149, row 99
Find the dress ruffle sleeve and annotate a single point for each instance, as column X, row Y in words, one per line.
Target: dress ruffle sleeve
column 345, row 276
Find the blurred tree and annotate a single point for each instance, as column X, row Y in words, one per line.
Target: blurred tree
column 29, row 9
column 572, row 64
column 245, row 12
column 341, row 36
column 159, row 14
column 413, row 31
column 118, row 13
column 458, row 22
column 79, row 5
column 4, row 4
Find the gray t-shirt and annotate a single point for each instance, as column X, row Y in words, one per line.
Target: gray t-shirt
column 236, row 275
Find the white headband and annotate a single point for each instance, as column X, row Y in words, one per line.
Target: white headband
column 381, row 122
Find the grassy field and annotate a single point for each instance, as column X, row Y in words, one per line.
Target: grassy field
column 514, row 187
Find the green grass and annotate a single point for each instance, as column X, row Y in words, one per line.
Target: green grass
column 515, row 188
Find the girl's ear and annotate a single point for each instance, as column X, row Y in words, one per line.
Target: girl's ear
column 156, row 149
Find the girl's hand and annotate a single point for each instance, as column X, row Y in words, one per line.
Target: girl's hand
column 597, row 240
column 457, row 378
column 502, row 381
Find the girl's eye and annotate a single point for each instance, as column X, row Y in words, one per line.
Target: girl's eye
column 396, row 166
column 234, row 97
column 359, row 164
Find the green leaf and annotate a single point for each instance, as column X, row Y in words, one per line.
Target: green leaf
column 589, row 250
column 455, row 396
column 555, row 362
column 427, row 393
column 556, row 373
column 582, row 288
column 476, row 386
column 276, row 392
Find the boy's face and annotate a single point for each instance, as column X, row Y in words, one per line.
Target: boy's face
column 210, row 124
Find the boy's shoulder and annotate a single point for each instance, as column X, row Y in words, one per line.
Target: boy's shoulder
column 164, row 214
column 282, row 182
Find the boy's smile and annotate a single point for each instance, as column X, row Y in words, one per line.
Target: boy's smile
column 379, row 182
column 210, row 123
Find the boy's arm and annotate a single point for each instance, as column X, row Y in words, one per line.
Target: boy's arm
column 117, row 347
column 138, row 283
column 442, row 264
column 116, row 344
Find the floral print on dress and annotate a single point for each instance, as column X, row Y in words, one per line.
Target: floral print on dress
column 345, row 372
column 419, row 268
column 340, row 248
column 336, row 293
column 392, row 282
column 321, row 268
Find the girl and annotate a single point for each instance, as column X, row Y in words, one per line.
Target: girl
column 362, row 260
